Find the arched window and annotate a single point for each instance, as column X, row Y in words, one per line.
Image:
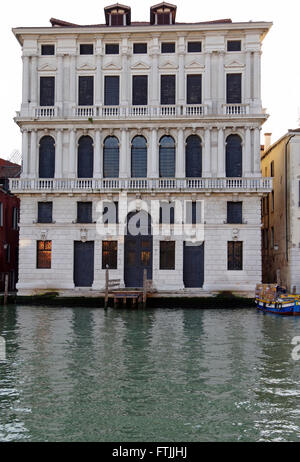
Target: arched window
column 167, row 157
column 47, row 157
column 85, row 161
column 139, row 157
column 193, row 157
column 111, row 157
column 234, row 161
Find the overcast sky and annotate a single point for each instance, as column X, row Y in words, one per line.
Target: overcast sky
column 280, row 59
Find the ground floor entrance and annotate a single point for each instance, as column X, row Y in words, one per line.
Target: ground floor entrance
column 83, row 264
column 193, row 265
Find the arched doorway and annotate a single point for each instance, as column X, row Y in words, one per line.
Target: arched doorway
column 138, row 248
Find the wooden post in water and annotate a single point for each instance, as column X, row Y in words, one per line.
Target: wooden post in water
column 106, row 289
column 145, row 288
column 5, row 290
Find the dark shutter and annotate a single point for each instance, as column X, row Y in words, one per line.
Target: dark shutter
column 193, row 156
column 45, row 212
column 140, row 90
column 110, row 254
column 47, row 157
column 85, row 161
column 235, row 256
column 167, row 157
column 48, row 50
column 234, row 88
column 167, row 255
column 234, row 212
column 86, row 91
column 112, row 49
column 86, row 49
column 234, row 167
column 47, row 91
column 166, row 213
column 168, row 47
column 194, row 47
column 194, row 89
column 234, row 45
column 111, row 158
column 110, row 213
column 111, row 91
column 117, row 19
column 140, row 48
column 163, row 18
column 168, row 89
column 139, row 157
column 84, row 212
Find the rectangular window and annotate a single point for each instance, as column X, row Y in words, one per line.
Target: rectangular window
column 84, row 212
column 167, row 89
column 45, row 212
column 272, row 169
column 235, row 256
column 1, row 214
column 47, row 50
column 44, row 250
column 140, row 90
column 194, row 89
column 86, row 49
column 234, row 89
column 194, row 47
column 110, row 254
column 117, row 19
column 112, row 49
column 139, row 48
column 163, row 18
column 167, row 255
column 234, row 212
column 168, row 47
column 166, row 213
column 112, row 90
column 193, row 212
column 234, row 45
column 86, row 91
column 47, row 91
column 14, row 218
column 110, row 213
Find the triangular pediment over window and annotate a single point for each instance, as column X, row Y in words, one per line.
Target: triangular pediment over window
column 194, row 65
column 111, row 67
column 168, row 65
column 47, row 67
column 140, row 65
column 234, row 64
column 86, row 67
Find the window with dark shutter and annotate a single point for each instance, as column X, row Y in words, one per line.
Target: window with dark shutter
column 234, row 45
column 139, row 157
column 167, row 157
column 45, row 212
column 194, row 47
column 112, row 90
column 167, row 255
column 110, row 254
column 194, row 89
column 44, row 250
column 47, row 50
column 168, row 47
column 140, row 90
column 112, row 49
column 234, row 212
column 193, row 212
column 167, row 89
column 47, row 91
column 110, row 213
column 234, row 157
column 234, row 88
column 86, row 49
column 47, row 157
column 167, row 213
column 139, row 48
column 86, row 91
column 235, row 256
column 193, row 157
column 163, row 18
column 117, row 19
column 84, row 212
column 85, row 158
column 111, row 157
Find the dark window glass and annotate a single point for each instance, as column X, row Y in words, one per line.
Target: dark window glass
column 139, row 157
column 140, row 48
column 234, row 89
column 47, row 157
column 111, row 157
column 44, row 249
column 167, row 89
column 194, row 89
column 234, row 212
column 235, row 256
column 194, row 47
column 110, row 213
column 112, row 49
column 85, row 161
column 167, row 255
column 48, row 50
column 47, row 91
column 86, row 91
column 193, row 212
column 168, row 47
column 166, row 213
column 111, row 90
column 86, row 49
column 167, row 157
column 84, row 212
column 45, row 212
column 193, row 157
column 234, row 166
column 14, row 218
column 234, row 45
column 110, row 254
column 272, row 169
column 140, row 90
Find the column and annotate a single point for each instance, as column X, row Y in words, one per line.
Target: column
column 256, row 154
column 98, row 160
column 247, row 153
column 98, row 83
column 124, row 82
column 72, row 154
column 25, row 159
column 207, row 154
column 34, row 82
column 154, row 74
column 59, row 153
column 60, row 81
column 221, row 82
column 154, row 173
column 25, row 82
column 33, row 155
column 248, row 78
column 181, row 80
column 257, row 79
column 221, row 153
column 207, row 77
column 72, row 96
column 124, row 167
column 180, row 157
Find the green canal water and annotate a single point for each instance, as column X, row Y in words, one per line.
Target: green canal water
column 81, row 374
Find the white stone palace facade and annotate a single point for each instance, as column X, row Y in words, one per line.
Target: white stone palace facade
column 159, row 113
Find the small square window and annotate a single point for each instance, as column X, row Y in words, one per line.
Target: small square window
column 86, row 49
column 84, row 212
column 47, row 50
column 140, row 48
column 234, row 45
column 234, row 212
column 194, row 47
column 45, row 212
column 112, row 49
column 168, row 47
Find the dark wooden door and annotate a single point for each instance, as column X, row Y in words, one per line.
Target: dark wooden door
column 138, row 257
column 83, row 264
column 193, row 265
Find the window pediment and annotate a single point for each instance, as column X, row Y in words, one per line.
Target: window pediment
column 234, row 65
column 47, row 67
column 168, row 65
column 194, row 65
column 86, row 67
column 140, row 65
column 111, row 67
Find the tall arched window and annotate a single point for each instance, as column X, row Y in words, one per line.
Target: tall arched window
column 234, row 156
column 193, row 157
column 167, row 157
column 85, row 161
column 47, row 157
column 111, row 157
column 139, row 157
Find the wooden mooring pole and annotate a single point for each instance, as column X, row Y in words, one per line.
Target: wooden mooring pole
column 145, row 289
column 5, row 290
column 106, row 289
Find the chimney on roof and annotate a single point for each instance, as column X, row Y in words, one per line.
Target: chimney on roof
column 268, row 140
